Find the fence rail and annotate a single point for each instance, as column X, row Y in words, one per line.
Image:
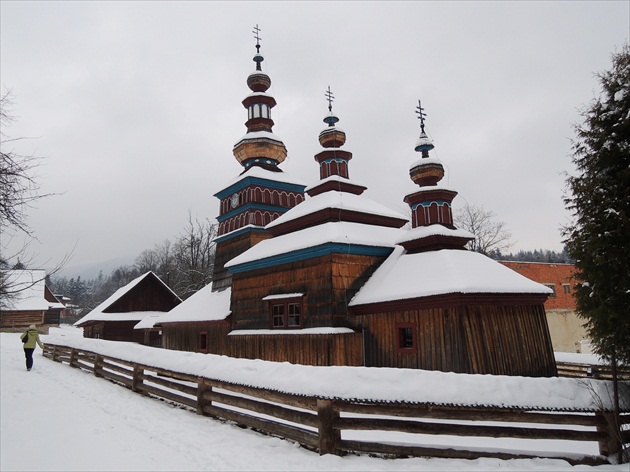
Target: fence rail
column 603, row 372
column 318, row 423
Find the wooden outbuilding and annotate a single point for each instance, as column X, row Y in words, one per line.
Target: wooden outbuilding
column 115, row 318
column 30, row 302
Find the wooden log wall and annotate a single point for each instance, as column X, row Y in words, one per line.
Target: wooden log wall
column 20, row 319
column 490, row 339
column 318, row 423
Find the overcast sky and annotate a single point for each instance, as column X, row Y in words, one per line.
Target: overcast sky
column 135, row 106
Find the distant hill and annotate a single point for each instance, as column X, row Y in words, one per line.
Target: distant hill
column 91, row 271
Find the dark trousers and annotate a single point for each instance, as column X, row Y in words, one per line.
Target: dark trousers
column 28, row 353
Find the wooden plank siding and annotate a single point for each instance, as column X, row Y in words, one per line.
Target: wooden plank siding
column 486, row 339
column 309, row 349
column 185, row 336
column 148, row 295
column 329, row 282
column 229, row 249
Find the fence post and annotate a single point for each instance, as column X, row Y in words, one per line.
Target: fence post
column 98, row 365
column 202, row 386
column 136, row 383
column 54, row 353
column 73, row 357
column 329, row 437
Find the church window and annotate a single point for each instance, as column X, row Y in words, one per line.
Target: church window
column 294, row 313
column 285, row 311
column 277, row 315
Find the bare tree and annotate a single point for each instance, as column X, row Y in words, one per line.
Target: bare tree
column 195, row 256
column 491, row 236
column 18, row 190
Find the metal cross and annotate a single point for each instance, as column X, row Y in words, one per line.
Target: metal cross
column 330, row 97
column 257, row 36
column 421, row 114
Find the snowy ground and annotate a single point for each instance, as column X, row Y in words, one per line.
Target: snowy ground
column 56, row 418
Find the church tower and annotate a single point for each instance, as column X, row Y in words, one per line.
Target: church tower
column 262, row 192
column 431, row 214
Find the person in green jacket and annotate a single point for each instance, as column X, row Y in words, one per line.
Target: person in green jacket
column 29, row 345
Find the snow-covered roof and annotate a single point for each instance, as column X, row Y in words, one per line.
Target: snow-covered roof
column 252, row 135
column 149, row 320
column 203, row 305
column 334, row 232
column 335, row 178
column 260, row 173
column 27, row 287
column 338, row 201
column 275, row 332
column 425, row 161
column 125, row 316
column 98, row 313
column 404, row 276
column 281, row 296
column 434, row 187
column 259, row 94
column 433, row 230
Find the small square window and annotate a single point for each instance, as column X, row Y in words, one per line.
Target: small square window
column 406, row 337
column 553, row 288
column 567, row 288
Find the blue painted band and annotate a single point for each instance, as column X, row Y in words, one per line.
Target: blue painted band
column 257, row 181
column 310, row 253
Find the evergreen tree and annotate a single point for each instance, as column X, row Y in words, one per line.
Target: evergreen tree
column 599, row 237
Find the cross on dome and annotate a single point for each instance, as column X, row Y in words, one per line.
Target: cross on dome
column 421, row 115
column 330, row 119
column 258, row 58
column 330, row 97
column 257, row 36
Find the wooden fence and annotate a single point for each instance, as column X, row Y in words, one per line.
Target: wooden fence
column 318, row 423
column 604, row 372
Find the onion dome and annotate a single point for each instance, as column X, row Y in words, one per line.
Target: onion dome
column 426, row 171
column 333, row 161
column 259, row 146
column 431, row 204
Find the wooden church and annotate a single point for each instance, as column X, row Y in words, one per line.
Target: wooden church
column 322, row 275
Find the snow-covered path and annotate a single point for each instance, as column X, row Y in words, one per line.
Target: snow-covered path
column 56, row 418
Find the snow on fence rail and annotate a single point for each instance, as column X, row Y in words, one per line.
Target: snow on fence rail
column 318, row 423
